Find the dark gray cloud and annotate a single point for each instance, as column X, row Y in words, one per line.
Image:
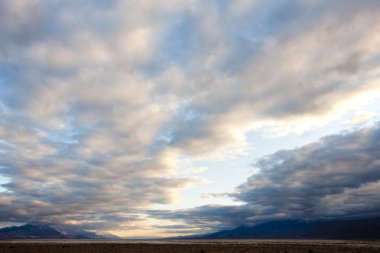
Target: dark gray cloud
column 336, row 177
column 299, row 182
column 206, row 218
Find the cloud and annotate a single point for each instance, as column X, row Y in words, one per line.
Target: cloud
column 208, row 218
column 362, row 117
column 100, row 99
column 78, row 122
column 277, row 62
column 294, row 182
column 336, row 177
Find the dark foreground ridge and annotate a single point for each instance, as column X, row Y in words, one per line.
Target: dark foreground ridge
column 189, row 246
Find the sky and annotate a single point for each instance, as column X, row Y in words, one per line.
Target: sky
column 163, row 118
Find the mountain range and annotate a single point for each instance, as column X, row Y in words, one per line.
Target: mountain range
column 42, row 231
column 355, row 229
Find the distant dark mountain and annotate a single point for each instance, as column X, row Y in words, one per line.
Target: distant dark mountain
column 272, row 229
column 346, row 229
column 295, row 229
column 41, row 231
column 30, row 231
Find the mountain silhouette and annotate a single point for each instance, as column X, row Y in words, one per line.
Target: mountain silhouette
column 43, row 231
column 355, row 229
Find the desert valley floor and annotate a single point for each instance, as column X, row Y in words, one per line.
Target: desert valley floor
column 188, row 246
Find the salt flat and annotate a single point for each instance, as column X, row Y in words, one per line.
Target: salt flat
column 188, row 246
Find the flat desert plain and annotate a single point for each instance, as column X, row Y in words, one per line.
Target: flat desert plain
column 187, row 246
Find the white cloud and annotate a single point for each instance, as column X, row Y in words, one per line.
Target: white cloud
column 361, row 117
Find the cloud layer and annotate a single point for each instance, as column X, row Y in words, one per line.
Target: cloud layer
column 100, row 99
column 336, row 177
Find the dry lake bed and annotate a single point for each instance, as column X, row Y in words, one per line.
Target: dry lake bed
column 187, row 246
